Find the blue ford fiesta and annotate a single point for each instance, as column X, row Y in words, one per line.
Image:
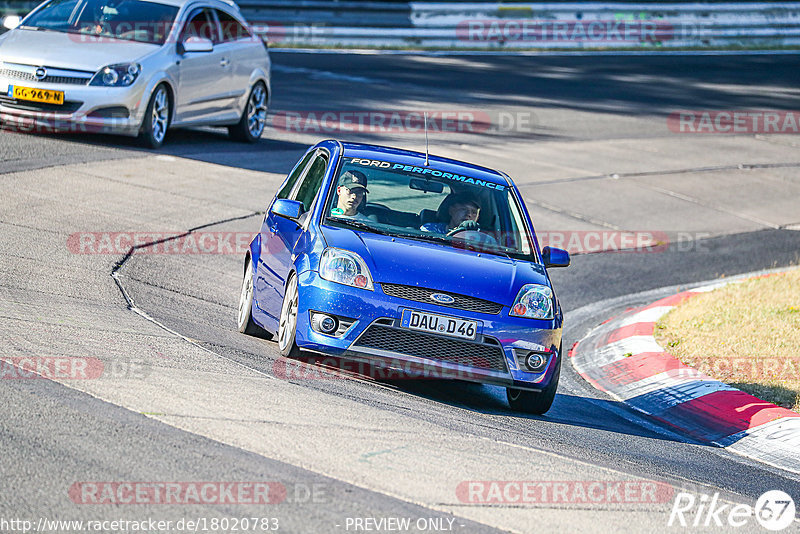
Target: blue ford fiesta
column 407, row 262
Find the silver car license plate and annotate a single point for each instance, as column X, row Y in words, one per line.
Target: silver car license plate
column 439, row 324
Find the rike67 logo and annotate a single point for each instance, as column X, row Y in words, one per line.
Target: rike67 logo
column 774, row 510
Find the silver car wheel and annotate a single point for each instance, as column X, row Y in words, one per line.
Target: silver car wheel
column 160, row 117
column 257, row 110
column 288, row 320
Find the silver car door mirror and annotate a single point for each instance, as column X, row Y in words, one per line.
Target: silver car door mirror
column 197, row 44
column 11, row 21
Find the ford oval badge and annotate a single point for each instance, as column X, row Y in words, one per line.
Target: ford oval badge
column 441, row 298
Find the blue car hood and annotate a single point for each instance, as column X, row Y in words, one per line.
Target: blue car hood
column 434, row 266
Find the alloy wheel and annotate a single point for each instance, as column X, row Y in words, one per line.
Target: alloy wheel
column 288, row 320
column 257, row 111
column 160, row 117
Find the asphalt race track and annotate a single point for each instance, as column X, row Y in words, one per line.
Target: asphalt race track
column 186, row 398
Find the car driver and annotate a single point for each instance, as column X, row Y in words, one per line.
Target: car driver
column 459, row 210
column 351, row 191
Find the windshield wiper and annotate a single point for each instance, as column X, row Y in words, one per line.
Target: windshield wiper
column 498, row 251
column 455, row 243
column 428, row 238
column 469, row 245
column 358, row 224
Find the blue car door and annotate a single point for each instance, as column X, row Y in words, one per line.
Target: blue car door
column 270, row 241
column 279, row 235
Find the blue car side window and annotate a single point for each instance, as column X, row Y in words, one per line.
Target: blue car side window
column 310, row 186
column 286, row 190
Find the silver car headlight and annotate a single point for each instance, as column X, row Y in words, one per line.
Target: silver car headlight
column 345, row 267
column 121, row 75
column 533, row 301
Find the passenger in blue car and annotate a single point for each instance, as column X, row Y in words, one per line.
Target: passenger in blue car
column 351, row 191
column 459, row 212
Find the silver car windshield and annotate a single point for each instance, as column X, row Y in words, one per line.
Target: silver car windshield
column 429, row 204
column 129, row 20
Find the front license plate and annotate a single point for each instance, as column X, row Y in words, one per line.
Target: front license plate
column 439, row 324
column 38, row 95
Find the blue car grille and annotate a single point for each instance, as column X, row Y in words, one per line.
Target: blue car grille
column 431, row 347
column 462, row 302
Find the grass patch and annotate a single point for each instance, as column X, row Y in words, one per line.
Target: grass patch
column 745, row 334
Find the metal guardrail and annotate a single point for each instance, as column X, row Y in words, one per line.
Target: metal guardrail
column 568, row 25
column 368, row 14
column 517, row 25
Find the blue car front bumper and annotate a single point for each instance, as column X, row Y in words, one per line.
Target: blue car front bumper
column 375, row 336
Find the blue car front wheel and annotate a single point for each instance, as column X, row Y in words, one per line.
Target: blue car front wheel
column 535, row 402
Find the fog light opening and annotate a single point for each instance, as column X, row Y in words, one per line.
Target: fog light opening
column 536, row 362
column 324, row 323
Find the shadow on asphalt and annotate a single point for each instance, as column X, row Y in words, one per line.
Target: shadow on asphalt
column 211, row 145
column 571, row 410
column 625, row 84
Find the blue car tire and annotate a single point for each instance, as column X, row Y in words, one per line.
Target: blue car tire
column 535, row 402
column 245, row 311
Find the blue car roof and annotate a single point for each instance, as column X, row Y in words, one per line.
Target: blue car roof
column 411, row 157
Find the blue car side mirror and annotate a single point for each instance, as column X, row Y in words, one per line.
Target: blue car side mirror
column 291, row 209
column 555, row 257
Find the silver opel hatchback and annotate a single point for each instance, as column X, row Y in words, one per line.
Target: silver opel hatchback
column 134, row 67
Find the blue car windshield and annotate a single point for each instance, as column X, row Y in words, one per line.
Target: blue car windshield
column 129, row 20
column 429, row 204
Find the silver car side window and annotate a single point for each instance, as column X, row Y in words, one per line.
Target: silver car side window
column 230, row 28
column 200, row 24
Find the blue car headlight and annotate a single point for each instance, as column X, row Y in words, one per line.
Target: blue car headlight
column 533, row 301
column 345, row 267
column 117, row 75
